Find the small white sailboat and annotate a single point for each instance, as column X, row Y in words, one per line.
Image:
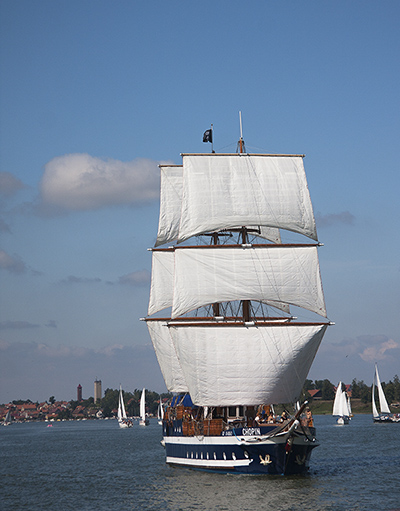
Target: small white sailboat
column 7, row 419
column 123, row 420
column 160, row 412
column 349, row 406
column 341, row 405
column 385, row 413
column 143, row 421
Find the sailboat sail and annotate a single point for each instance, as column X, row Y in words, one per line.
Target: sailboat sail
column 171, row 207
column 143, row 404
column 231, row 190
column 340, row 404
column 166, row 355
column 8, row 419
column 226, row 365
column 374, row 409
column 143, row 421
column 123, row 420
column 121, row 406
column 186, row 278
column 160, row 412
column 383, row 404
column 349, row 405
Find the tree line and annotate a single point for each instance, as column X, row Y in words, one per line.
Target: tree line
column 109, row 402
column 359, row 390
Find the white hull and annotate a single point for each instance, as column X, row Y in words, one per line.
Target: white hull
column 125, row 425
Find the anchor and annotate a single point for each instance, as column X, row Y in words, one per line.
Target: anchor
column 300, row 460
column 266, row 460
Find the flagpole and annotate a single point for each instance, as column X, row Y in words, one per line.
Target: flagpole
column 241, row 132
column 212, row 138
column 240, row 144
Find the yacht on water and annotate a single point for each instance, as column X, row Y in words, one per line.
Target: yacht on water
column 385, row 415
column 341, row 405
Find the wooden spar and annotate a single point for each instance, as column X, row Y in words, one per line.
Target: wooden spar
column 225, row 319
column 240, row 154
column 222, row 324
column 249, row 245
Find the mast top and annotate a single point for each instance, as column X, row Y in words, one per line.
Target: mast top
column 240, row 145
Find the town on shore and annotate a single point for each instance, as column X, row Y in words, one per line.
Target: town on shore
column 319, row 394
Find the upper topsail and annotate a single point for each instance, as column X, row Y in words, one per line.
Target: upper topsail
column 223, row 191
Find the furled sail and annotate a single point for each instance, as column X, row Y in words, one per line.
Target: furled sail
column 171, row 205
column 188, row 278
column 227, row 365
column 166, row 356
column 231, row 190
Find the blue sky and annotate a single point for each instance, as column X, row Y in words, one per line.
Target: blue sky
column 95, row 94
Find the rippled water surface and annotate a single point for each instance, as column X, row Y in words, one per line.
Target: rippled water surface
column 94, row 465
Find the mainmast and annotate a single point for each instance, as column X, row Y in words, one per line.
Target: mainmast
column 241, row 149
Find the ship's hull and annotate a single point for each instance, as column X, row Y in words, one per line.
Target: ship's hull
column 243, row 451
column 386, row 419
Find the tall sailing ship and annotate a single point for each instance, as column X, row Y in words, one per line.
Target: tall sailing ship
column 229, row 349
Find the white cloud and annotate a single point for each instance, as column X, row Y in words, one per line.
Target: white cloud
column 355, row 358
column 370, row 348
column 17, row 325
column 9, row 184
column 83, row 182
column 13, row 264
column 379, row 351
column 72, row 279
column 137, row 278
column 345, row 217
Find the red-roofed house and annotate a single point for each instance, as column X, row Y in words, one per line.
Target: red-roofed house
column 315, row 394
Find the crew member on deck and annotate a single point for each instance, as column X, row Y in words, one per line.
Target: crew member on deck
column 309, row 419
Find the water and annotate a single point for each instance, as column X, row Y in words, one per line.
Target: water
column 95, row 465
